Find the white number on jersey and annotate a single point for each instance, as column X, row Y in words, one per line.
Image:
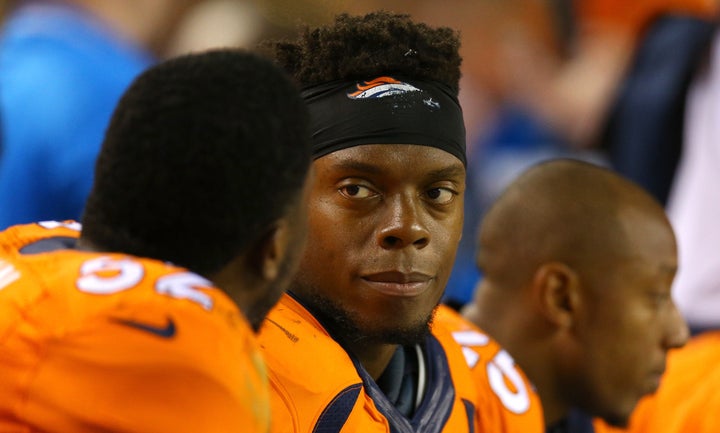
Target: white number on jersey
column 183, row 286
column 500, row 370
column 105, row 276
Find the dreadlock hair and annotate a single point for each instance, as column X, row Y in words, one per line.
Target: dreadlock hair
column 203, row 153
column 379, row 43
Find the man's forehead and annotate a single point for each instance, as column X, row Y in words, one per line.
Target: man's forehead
column 390, row 152
column 378, row 158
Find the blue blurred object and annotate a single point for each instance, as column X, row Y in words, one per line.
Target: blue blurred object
column 62, row 72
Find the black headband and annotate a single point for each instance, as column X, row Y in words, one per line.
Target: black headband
column 385, row 111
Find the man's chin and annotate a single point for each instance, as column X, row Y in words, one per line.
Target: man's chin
column 401, row 334
column 354, row 327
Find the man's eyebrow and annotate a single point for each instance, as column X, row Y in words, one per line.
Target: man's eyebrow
column 356, row 165
column 450, row 172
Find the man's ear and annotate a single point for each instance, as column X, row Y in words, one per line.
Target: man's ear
column 556, row 291
column 271, row 249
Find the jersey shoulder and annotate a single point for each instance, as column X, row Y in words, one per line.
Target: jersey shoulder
column 507, row 400
column 316, row 385
column 311, row 375
column 114, row 333
column 46, row 272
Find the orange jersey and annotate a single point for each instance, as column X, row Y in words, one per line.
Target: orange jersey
column 316, row 386
column 507, row 402
column 688, row 399
column 95, row 342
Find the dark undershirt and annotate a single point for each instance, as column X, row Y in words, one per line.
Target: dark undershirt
column 576, row 422
column 399, row 381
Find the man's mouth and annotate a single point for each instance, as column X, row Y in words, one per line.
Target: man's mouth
column 398, row 283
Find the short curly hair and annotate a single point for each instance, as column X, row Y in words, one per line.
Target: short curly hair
column 203, row 153
column 378, row 43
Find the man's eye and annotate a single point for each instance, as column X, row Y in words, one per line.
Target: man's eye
column 440, row 195
column 356, row 191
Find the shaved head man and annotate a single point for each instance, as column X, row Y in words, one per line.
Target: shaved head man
column 578, row 264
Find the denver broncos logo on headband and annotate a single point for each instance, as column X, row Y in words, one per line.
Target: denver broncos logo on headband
column 381, row 87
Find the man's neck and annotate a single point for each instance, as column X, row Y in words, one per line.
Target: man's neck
column 373, row 357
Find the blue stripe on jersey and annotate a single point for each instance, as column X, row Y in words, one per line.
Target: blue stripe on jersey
column 337, row 412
